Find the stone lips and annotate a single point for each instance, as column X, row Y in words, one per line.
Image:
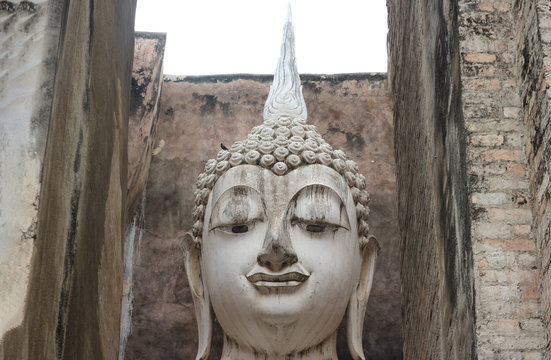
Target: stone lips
column 281, row 145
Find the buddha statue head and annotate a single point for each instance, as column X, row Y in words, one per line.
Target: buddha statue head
column 280, row 251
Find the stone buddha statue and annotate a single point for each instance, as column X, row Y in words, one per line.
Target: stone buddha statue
column 280, row 251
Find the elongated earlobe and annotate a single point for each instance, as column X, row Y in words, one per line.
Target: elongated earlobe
column 201, row 301
column 358, row 301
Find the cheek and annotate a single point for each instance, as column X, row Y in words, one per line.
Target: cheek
column 227, row 258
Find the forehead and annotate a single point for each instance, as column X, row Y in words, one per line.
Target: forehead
column 278, row 191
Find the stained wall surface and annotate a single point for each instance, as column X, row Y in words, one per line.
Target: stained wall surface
column 29, row 38
column 434, row 217
column 74, row 297
column 352, row 112
column 147, row 81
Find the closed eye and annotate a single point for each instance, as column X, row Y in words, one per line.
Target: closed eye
column 235, row 229
column 315, row 226
column 239, row 229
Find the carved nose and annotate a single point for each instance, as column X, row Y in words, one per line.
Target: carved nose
column 276, row 256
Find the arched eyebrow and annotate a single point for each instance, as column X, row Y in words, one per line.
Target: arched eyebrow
column 319, row 203
column 237, row 205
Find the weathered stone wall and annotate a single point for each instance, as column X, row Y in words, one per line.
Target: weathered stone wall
column 29, row 36
column 495, row 55
column 352, row 112
column 147, row 81
column 436, row 256
column 533, row 34
column 74, row 297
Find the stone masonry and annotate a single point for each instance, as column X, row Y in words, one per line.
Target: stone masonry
column 533, row 35
column 497, row 57
column 508, row 321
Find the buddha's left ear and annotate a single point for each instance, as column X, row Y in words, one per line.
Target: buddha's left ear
column 201, row 300
column 358, row 301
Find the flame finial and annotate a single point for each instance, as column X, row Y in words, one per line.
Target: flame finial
column 285, row 97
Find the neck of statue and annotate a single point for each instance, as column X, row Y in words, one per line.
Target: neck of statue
column 326, row 350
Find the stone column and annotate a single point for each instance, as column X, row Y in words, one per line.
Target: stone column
column 433, row 205
column 29, row 41
column 73, row 301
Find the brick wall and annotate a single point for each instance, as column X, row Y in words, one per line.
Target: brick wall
column 502, row 80
column 533, row 34
column 507, row 307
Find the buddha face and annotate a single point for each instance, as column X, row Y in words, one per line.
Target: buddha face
column 280, row 256
column 275, row 248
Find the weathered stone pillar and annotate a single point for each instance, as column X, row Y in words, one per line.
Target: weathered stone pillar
column 28, row 57
column 73, row 302
column 434, row 216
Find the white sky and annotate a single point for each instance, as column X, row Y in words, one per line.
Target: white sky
column 206, row 37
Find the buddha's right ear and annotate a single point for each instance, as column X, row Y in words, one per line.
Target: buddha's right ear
column 201, row 301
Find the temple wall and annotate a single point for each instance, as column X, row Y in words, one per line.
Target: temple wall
column 495, row 58
column 437, row 277
column 507, row 304
column 352, row 112
column 147, row 81
column 533, row 35
column 73, row 301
